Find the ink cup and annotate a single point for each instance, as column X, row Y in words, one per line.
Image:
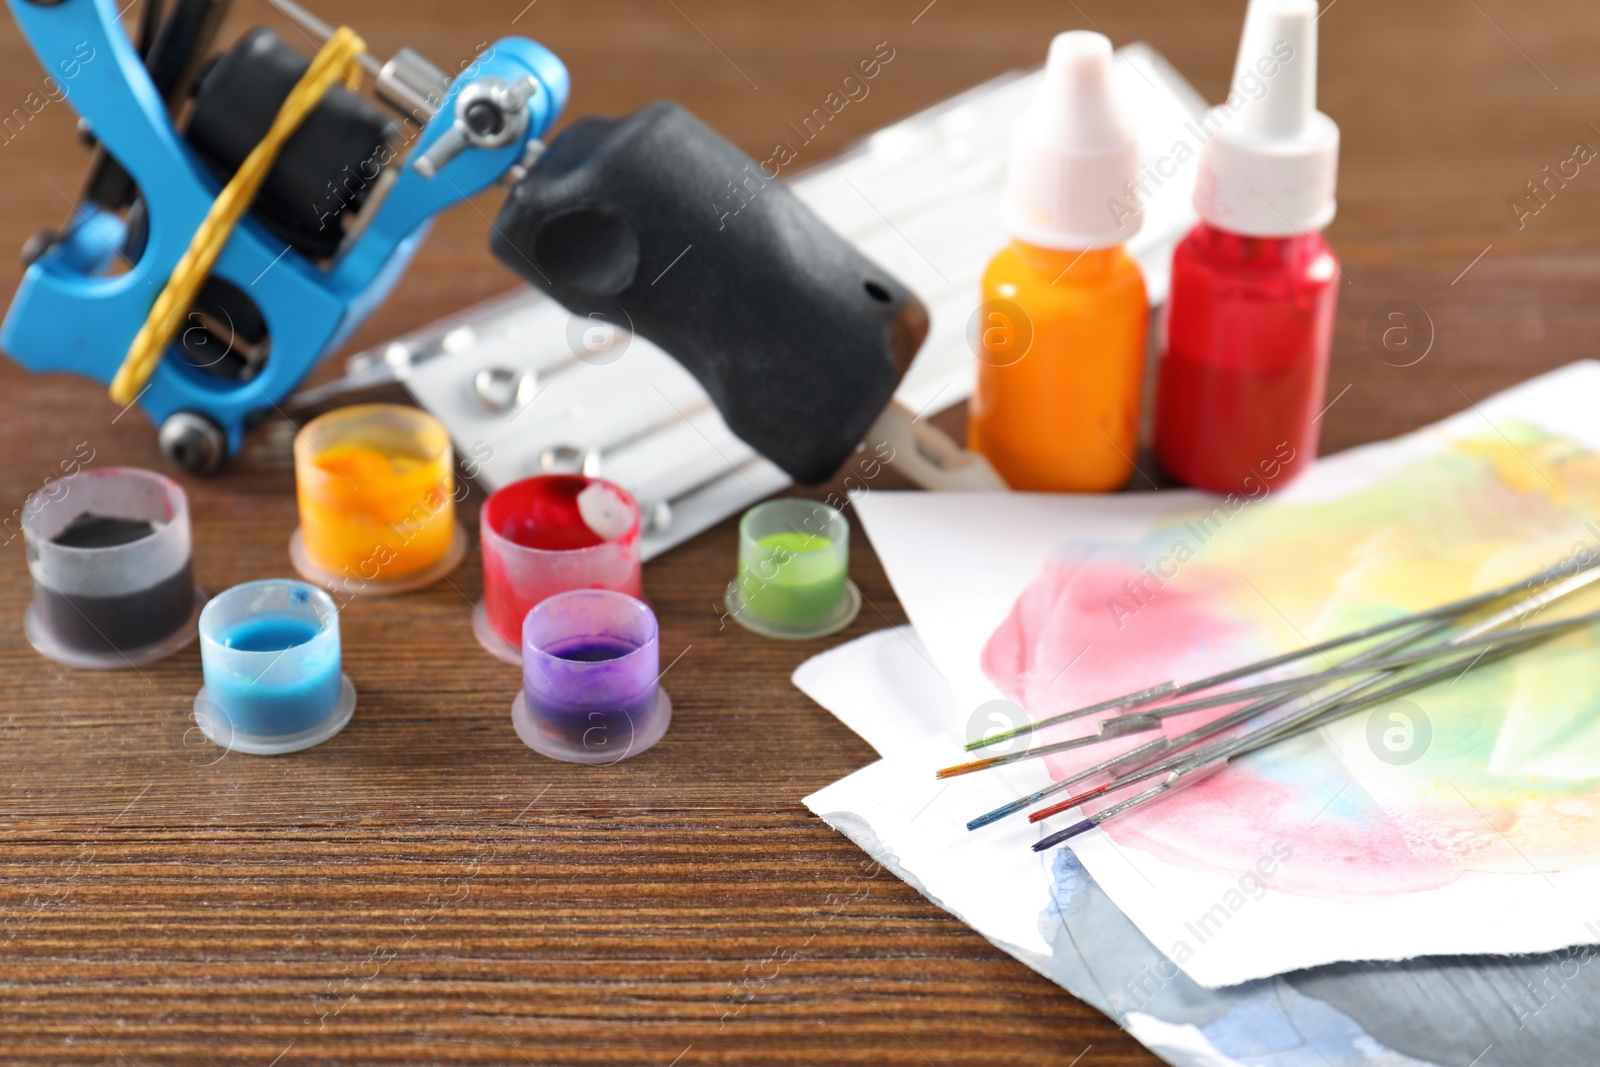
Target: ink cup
column 270, row 653
column 794, row 562
column 546, row 535
column 377, row 491
column 110, row 553
column 591, row 672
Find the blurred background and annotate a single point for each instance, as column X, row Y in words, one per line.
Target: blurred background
column 1448, row 109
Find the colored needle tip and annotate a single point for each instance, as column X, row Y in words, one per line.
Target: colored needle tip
column 1063, row 835
column 994, row 816
column 1108, row 729
column 968, row 768
column 1002, row 811
column 1071, row 802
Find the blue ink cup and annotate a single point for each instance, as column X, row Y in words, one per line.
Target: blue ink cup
column 270, row 653
column 591, row 672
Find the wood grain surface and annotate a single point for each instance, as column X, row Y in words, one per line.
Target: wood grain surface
column 424, row 889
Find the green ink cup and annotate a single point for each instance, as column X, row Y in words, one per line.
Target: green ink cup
column 794, row 562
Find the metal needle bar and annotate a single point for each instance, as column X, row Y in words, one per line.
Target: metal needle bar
column 315, row 26
column 1120, row 726
column 1325, row 710
column 1308, row 681
column 1151, row 750
column 1355, row 698
column 1444, row 611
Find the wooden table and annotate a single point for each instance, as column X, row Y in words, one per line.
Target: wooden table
column 424, row 889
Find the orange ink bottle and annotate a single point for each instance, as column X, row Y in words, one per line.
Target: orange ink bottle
column 1062, row 328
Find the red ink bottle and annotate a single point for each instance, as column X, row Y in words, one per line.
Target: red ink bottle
column 1249, row 323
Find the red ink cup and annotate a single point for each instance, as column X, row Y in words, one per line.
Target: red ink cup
column 109, row 552
column 591, row 673
column 551, row 534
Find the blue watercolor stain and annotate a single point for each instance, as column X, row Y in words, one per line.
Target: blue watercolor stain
column 1067, row 876
column 1282, row 1027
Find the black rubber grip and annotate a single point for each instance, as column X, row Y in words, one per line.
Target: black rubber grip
column 658, row 224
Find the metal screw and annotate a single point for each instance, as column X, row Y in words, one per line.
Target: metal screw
column 193, row 442
column 569, row 459
column 484, row 118
column 36, row 246
column 657, row 517
column 501, row 389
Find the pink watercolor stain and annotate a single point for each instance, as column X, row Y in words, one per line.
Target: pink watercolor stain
column 1227, row 823
column 1064, row 645
column 1077, row 634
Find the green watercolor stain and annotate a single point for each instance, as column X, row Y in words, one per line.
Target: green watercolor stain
column 1481, row 512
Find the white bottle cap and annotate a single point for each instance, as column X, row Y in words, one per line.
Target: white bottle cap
column 1074, row 155
column 1272, row 164
column 1247, row 50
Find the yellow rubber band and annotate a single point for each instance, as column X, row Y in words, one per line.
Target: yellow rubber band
column 338, row 61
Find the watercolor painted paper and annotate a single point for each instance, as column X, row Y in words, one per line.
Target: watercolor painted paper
column 1465, row 819
column 1049, row 913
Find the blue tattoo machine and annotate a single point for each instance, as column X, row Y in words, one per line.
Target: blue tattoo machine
column 245, row 211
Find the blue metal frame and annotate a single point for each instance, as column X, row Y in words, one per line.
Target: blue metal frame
column 71, row 314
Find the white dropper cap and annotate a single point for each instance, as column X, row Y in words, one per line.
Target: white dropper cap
column 1248, row 52
column 1074, row 155
column 1272, row 164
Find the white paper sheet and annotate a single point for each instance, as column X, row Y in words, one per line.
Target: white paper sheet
column 1044, row 911
column 958, row 566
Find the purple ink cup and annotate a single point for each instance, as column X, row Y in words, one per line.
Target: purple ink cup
column 591, row 673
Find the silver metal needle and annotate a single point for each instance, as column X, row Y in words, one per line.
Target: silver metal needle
column 321, row 30
column 1151, row 719
column 1190, row 766
column 1568, row 572
column 1136, row 759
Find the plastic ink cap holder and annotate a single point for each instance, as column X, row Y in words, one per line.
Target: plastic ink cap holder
column 377, row 491
column 110, row 553
column 270, row 653
column 591, row 673
column 794, row 562
column 546, row 535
